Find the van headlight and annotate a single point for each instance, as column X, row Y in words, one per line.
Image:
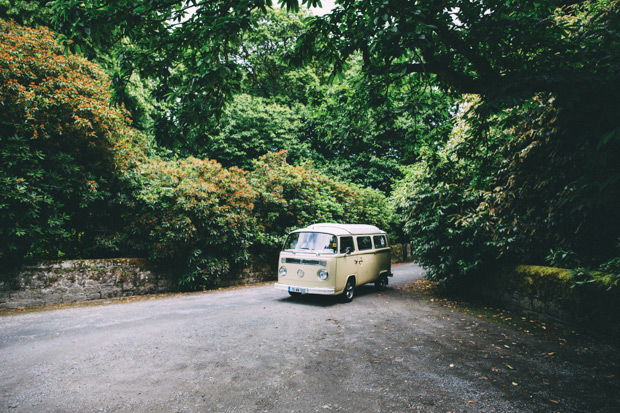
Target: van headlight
column 282, row 271
column 323, row 274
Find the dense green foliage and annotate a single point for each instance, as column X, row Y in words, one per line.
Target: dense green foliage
column 497, row 119
column 368, row 142
column 192, row 213
column 229, row 92
column 535, row 182
column 78, row 180
column 58, row 139
column 33, row 13
column 195, row 54
column 252, row 127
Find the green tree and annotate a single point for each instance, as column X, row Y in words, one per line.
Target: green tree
column 34, row 13
column 504, row 51
column 252, row 127
column 188, row 50
column 264, row 52
column 265, row 113
column 364, row 135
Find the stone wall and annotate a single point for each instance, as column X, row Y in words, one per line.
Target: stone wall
column 256, row 272
column 550, row 294
column 54, row 282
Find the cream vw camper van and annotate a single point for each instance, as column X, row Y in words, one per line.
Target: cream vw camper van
column 333, row 259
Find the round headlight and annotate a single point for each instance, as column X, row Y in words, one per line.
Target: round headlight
column 323, row 274
column 282, row 271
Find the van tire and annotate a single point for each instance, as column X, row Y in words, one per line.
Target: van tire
column 381, row 283
column 349, row 291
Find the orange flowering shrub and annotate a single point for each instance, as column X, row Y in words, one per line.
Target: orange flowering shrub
column 290, row 197
column 60, row 149
column 193, row 213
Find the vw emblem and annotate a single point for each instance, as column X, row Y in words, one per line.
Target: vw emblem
column 300, row 273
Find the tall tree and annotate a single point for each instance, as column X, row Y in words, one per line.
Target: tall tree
column 187, row 49
column 365, row 131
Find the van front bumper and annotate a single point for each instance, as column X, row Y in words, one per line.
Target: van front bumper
column 305, row 290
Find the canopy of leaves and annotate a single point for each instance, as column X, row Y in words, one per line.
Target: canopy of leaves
column 33, row 13
column 365, row 133
column 252, row 127
column 194, row 52
column 505, row 51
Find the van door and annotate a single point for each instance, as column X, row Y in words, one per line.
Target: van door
column 347, row 265
column 383, row 253
column 365, row 260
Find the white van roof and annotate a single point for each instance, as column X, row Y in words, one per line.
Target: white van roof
column 343, row 229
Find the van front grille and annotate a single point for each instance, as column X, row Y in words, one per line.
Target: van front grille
column 303, row 262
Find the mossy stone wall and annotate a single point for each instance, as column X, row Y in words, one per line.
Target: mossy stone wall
column 550, row 294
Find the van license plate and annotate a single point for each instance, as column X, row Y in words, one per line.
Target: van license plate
column 298, row 290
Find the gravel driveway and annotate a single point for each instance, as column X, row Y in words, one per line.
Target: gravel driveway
column 255, row 349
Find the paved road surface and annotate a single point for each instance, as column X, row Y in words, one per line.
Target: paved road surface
column 255, row 349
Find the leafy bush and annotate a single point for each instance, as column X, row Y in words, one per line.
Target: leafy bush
column 442, row 216
column 254, row 126
column 192, row 214
column 290, row 197
column 515, row 187
column 61, row 148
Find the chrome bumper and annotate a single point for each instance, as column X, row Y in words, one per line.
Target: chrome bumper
column 305, row 290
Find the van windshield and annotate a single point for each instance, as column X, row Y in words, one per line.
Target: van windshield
column 313, row 241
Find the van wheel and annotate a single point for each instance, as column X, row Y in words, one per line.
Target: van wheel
column 381, row 283
column 349, row 291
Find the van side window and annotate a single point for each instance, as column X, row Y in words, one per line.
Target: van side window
column 379, row 241
column 346, row 242
column 363, row 243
